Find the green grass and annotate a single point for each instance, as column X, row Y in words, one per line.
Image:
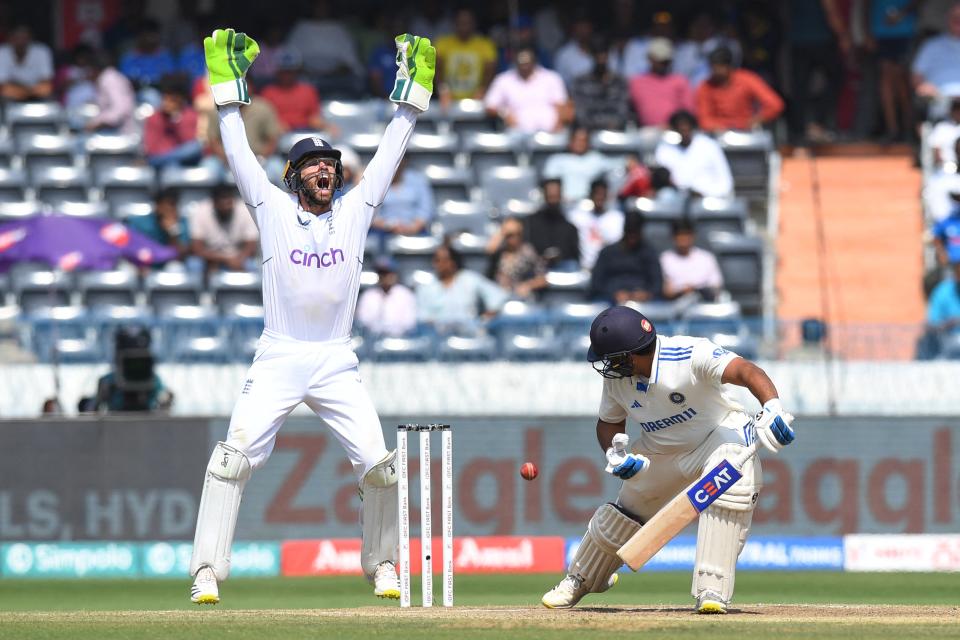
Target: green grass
column 655, row 605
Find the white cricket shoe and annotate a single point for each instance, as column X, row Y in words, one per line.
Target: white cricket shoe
column 570, row 591
column 710, row 602
column 386, row 584
column 205, row 590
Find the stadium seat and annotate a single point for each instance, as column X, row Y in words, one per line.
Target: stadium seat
column 657, row 222
column 36, row 289
column 741, row 261
column 639, row 142
column 520, row 208
column 244, row 324
column 573, row 319
column 192, row 183
column 501, row 184
column 208, row 349
column 54, row 185
column 230, row 288
column 49, row 324
column 290, row 138
column 368, row 279
column 707, row 318
column 748, row 153
column 7, row 152
column 469, row 116
column 660, row 312
column 41, row 151
column 717, row 214
column 354, row 117
column 107, row 318
column 13, row 184
column 83, row 209
column 577, row 347
column 14, row 211
column 471, row 217
column 412, row 253
column 166, row 289
column 565, row 286
column 120, row 185
column 473, row 248
column 488, row 150
column 108, row 288
column 403, row 349
column 518, row 317
column 181, row 322
column 417, row 278
column 433, row 120
column 132, row 209
column 527, row 347
column 25, row 118
column 108, row 151
column 365, row 144
column 448, row 182
column 456, row 348
column 426, row 149
column 544, row 144
column 950, row 346
column 79, row 350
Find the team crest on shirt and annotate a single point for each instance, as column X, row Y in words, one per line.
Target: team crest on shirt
column 677, row 398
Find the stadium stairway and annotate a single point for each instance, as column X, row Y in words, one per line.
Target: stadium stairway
column 873, row 241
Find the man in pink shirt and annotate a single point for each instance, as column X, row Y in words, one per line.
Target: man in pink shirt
column 529, row 98
column 687, row 268
column 115, row 98
column 658, row 93
column 170, row 134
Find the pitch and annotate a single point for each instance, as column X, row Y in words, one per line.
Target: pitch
column 782, row 605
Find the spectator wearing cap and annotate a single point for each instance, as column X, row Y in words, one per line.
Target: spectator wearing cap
column 389, row 308
column 688, row 268
column 170, row 134
column 295, row 101
column 634, row 58
column 466, row 59
column 578, row 166
column 659, row 92
column 734, row 98
column 628, row 270
column 598, row 224
column 573, row 59
column 600, row 94
column 529, row 98
column 223, row 233
column 26, row 67
column 936, row 74
column 695, row 161
column 408, row 207
column 149, row 61
column 458, row 298
column 551, row 234
column 514, row 264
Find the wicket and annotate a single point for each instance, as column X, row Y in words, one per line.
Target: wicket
column 426, row 520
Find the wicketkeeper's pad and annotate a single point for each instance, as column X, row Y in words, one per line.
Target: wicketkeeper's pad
column 227, row 474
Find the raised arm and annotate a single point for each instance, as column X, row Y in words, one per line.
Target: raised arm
column 250, row 177
column 379, row 173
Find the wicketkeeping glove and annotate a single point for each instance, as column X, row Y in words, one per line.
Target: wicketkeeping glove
column 773, row 426
column 229, row 54
column 416, row 65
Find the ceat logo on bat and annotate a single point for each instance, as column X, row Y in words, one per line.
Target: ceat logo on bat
column 70, row 261
column 116, row 234
column 10, row 238
column 712, row 485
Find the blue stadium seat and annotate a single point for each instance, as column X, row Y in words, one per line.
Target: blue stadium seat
column 365, row 144
column 167, row 289
column 83, row 209
column 120, row 185
column 501, row 184
column 707, row 318
column 244, row 324
column 54, row 185
column 748, row 153
column 490, row 150
column 717, row 214
column 741, row 261
column 573, row 319
column 354, row 117
column 108, row 288
column 41, row 151
column 178, row 323
column 565, row 286
column 469, row 116
column 7, row 152
column 473, row 248
column 107, row 318
column 231, row 288
column 658, row 221
column 79, row 350
column 520, row 208
column 534, row 346
column 425, row 149
column 37, row 289
column 108, row 151
column 192, row 183
column 402, row 349
column 471, row 217
column 544, row 144
column 13, row 184
column 133, row 209
column 14, row 211
column 50, row 324
column 640, row 142
column 412, row 253
column 457, row 348
column 33, row 118
column 202, row 349
column 518, row 317
column 449, row 182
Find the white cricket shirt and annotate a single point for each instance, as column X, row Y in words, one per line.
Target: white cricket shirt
column 312, row 264
column 681, row 403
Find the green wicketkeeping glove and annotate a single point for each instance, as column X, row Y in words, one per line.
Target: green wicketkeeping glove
column 229, row 54
column 417, row 63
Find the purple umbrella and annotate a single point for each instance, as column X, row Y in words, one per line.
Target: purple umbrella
column 72, row 244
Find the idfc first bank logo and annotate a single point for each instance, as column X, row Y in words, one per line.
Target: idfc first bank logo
column 306, row 258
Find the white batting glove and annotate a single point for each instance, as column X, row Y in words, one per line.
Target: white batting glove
column 621, row 462
column 773, row 426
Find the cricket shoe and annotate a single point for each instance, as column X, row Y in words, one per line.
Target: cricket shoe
column 710, row 602
column 385, row 581
column 570, row 591
column 205, row 590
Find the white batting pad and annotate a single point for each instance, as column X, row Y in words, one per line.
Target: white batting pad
column 721, row 535
column 596, row 558
column 378, row 515
column 227, row 474
column 742, row 496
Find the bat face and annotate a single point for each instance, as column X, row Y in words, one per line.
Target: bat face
column 712, row 485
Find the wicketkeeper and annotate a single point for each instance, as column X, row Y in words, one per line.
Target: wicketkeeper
column 312, row 242
column 672, row 387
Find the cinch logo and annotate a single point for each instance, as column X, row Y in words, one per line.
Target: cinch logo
column 317, row 260
column 712, row 485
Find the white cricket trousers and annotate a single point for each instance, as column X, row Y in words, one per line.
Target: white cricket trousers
column 324, row 375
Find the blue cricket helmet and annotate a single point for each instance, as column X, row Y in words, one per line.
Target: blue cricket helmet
column 616, row 333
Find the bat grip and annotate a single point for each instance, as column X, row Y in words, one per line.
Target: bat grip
column 746, row 454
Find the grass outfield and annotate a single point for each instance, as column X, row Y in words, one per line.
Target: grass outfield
column 782, row 605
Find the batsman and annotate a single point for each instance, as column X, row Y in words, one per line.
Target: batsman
column 312, row 241
column 672, row 388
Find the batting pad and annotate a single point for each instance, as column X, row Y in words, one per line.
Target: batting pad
column 596, row 558
column 227, row 474
column 378, row 514
column 742, row 495
column 721, row 535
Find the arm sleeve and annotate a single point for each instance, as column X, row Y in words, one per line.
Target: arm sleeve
column 721, row 182
column 704, row 112
column 492, row 295
column 495, row 99
column 250, row 177
column 610, row 410
column 121, row 101
column 921, row 64
column 771, row 105
column 715, row 278
column 379, row 173
column 44, row 68
column 709, row 361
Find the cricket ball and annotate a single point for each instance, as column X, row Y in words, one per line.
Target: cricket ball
column 528, row 471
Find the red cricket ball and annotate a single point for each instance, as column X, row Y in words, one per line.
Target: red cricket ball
column 528, row 471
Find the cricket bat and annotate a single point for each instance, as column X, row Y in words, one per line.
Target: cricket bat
column 682, row 510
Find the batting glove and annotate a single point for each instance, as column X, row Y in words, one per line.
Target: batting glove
column 621, row 462
column 229, row 54
column 416, row 65
column 773, row 426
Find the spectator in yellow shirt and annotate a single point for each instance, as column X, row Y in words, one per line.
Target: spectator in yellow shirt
column 467, row 60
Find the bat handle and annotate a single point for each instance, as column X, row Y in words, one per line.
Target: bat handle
column 746, row 454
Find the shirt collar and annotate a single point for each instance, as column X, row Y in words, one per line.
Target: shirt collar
column 655, row 369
